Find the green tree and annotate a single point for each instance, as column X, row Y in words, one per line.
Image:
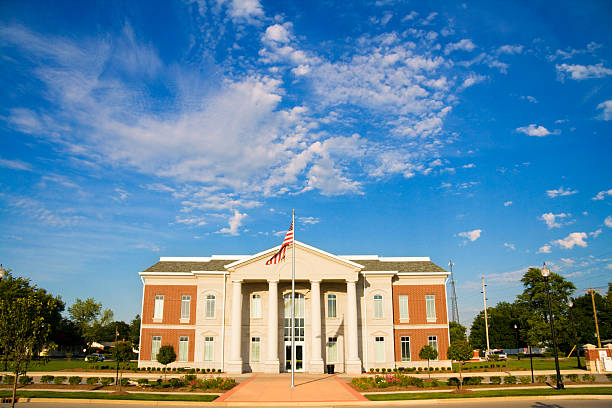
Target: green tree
column 122, row 352
column 165, row 356
column 90, row 319
column 460, row 351
column 135, row 331
column 502, row 318
column 428, row 353
column 457, row 332
column 26, row 322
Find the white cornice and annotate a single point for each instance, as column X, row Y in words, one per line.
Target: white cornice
column 423, row 273
column 386, row 258
column 202, row 258
column 165, row 273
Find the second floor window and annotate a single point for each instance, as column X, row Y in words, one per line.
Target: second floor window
column 158, row 311
column 256, row 306
column 210, row 306
column 403, row 306
column 185, row 306
column 430, row 302
column 331, row 306
column 378, row 307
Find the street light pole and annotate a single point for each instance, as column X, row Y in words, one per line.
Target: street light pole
column 546, row 274
column 531, row 363
column 518, row 354
column 571, row 308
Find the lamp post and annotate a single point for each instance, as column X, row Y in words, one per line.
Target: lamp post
column 518, row 355
column 531, row 363
column 571, row 308
column 546, row 274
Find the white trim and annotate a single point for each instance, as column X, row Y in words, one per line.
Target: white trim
column 360, row 257
column 276, row 248
column 423, row 273
column 419, row 326
column 210, row 272
column 185, row 259
column 387, row 258
column 169, row 326
column 378, row 272
column 165, row 273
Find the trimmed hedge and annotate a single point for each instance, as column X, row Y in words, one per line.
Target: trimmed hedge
column 509, row 379
column 75, row 380
column 60, row 379
column 46, row 379
column 92, row 380
column 26, row 380
column 107, row 381
column 495, row 379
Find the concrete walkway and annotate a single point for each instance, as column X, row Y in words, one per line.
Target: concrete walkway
column 277, row 388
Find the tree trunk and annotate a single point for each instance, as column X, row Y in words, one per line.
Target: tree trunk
column 460, row 378
column 15, row 389
column 428, row 371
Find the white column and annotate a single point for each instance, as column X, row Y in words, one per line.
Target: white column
column 234, row 365
column 353, row 364
column 272, row 364
column 316, row 362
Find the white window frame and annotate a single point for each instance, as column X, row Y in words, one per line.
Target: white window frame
column 209, row 348
column 403, row 308
column 332, row 306
column 379, row 342
column 155, row 348
column 256, row 306
column 433, row 342
column 211, row 311
column 405, row 340
column 430, row 307
column 183, row 349
column 332, row 349
column 378, row 307
column 185, row 308
column 158, row 308
column 255, row 349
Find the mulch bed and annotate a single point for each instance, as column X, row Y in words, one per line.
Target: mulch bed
column 86, row 387
column 440, row 388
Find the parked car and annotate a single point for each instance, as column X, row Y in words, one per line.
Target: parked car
column 94, row 357
column 499, row 353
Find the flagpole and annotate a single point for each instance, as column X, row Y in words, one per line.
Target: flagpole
column 293, row 303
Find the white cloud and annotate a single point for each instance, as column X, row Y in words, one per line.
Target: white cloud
column 468, row 166
column 536, row 130
column 122, row 194
column 551, row 219
column 193, row 220
column 580, row 72
column 150, row 247
column 606, row 110
column 596, row 233
column 245, row 9
column 510, row 49
column 277, row 33
column 532, row 100
column 235, row 222
column 560, row 192
column 608, row 221
column 609, row 266
column 15, row 165
column 544, row 249
column 572, row 240
column 510, row 246
column 463, row 45
column 472, row 80
column 410, row 16
column 602, row 194
column 471, row 235
column 507, row 203
column 308, row 220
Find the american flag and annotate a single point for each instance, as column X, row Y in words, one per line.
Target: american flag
column 280, row 255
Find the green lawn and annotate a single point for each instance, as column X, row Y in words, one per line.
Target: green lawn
column 538, row 364
column 56, row 365
column 96, row 395
column 496, row 393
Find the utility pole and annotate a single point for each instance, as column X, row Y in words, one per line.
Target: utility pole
column 484, row 299
column 595, row 313
column 454, row 308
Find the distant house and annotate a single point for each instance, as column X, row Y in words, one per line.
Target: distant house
column 234, row 312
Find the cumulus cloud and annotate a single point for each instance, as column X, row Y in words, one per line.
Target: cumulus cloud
column 545, row 249
column 606, row 110
column 510, row 49
column 463, row 45
column 572, row 240
column 471, row 235
column 580, row 72
column 235, row 222
column 560, row 192
column 507, row 203
column 608, row 221
column 536, row 130
column 551, row 219
column 602, row 194
column 277, row 33
column 308, row 220
column 510, row 246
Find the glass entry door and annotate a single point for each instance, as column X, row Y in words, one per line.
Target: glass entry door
column 298, row 330
column 299, row 356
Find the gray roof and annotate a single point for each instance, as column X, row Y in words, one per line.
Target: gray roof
column 369, row 265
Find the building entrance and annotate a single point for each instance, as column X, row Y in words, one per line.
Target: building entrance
column 299, row 332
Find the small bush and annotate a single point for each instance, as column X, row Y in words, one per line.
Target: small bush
column 495, row 379
column 149, row 369
column 384, row 370
column 525, row 379
column 125, row 382
column 75, row 380
column 434, row 382
column 371, row 370
column 509, row 379
column 588, row 378
column 472, row 380
column 26, row 380
column 46, row 379
column 59, row 380
column 92, row 380
column 420, row 368
column 189, row 378
column 553, row 378
column 378, row 370
column 176, row 383
column 453, row 381
column 106, row 381
column 540, row 379
column 573, row 377
column 9, row 379
column 143, row 382
column 609, row 377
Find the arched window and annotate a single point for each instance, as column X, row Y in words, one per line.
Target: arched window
column 378, row 306
column 210, row 306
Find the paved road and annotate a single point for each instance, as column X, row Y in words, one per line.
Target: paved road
column 523, row 403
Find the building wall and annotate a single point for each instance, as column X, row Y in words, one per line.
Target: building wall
column 418, row 339
column 172, row 303
column 416, row 303
column 168, row 337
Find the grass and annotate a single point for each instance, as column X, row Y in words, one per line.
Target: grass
column 539, row 363
column 495, row 393
column 57, row 365
column 107, row 396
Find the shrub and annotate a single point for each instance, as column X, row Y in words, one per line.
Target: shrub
column 176, row 383
column 540, row 378
column 553, row 378
column 148, row 368
column 68, row 356
column 509, row 379
column 609, row 377
column 106, row 381
column 588, row 378
column 401, row 369
column 125, row 382
column 573, row 377
column 0, row 379
column 75, row 380
column 26, row 380
column 377, row 370
column 495, row 379
column 472, row 380
column 525, row 379
column 143, row 382
column 92, row 380
column 9, row 379
column 384, row 370
column 420, row 368
column 46, row 379
column 434, row 382
column 59, row 380
column 192, row 371
column 189, row 378
column 453, row 381
column 437, row 368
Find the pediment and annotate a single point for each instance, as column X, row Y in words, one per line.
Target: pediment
column 310, row 264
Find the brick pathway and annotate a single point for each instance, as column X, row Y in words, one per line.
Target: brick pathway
column 277, row 388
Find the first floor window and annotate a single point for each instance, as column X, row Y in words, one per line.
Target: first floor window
column 378, row 307
column 331, row 306
column 332, row 349
column 433, row 342
column 256, row 306
column 209, row 347
column 255, row 348
column 430, row 303
column 210, row 306
column 403, row 306
column 380, row 349
column 155, row 345
column 405, row 341
column 185, row 306
column 158, row 311
column 183, row 349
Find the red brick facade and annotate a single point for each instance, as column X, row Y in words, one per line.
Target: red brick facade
column 418, row 339
column 169, row 337
column 172, row 303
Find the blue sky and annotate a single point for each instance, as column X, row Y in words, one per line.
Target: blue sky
column 469, row 131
